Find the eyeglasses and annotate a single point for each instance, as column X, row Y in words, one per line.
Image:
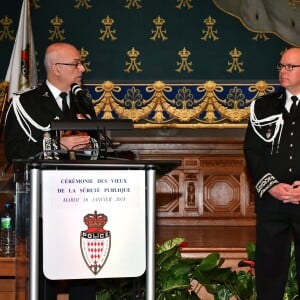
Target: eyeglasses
column 76, row 65
column 287, row 67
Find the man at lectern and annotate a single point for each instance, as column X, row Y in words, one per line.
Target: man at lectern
column 31, row 113
column 28, row 119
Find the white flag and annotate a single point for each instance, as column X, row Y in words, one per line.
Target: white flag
column 22, row 71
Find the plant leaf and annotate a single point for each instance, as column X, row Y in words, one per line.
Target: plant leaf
column 209, row 262
column 250, row 248
column 167, row 245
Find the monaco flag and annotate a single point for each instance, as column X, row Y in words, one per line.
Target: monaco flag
column 22, row 71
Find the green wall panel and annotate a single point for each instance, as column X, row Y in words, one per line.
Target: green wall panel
column 208, row 35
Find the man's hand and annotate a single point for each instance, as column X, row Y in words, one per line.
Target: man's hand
column 75, row 142
column 286, row 193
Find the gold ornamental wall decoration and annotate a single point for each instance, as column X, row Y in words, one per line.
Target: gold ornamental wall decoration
column 133, row 65
column 6, row 33
column 184, row 4
column 3, row 101
column 133, row 4
column 260, row 36
column 235, row 64
column 180, row 106
column 83, row 4
column 108, row 32
column 35, row 4
column 209, row 32
column 57, row 32
column 84, row 54
column 158, row 32
column 3, row 93
column 184, row 64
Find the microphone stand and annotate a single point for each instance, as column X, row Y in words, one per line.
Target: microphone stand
column 106, row 140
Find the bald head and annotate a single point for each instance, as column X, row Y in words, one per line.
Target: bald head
column 63, row 65
column 56, row 52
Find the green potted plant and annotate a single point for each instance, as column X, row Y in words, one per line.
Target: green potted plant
column 222, row 282
column 174, row 275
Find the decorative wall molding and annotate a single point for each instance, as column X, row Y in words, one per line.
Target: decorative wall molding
column 178, row 105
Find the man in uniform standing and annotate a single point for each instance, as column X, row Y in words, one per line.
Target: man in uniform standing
column 272, row 151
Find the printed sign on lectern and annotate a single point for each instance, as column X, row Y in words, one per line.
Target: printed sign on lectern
column 93, row 223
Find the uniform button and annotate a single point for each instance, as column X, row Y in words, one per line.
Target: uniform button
column 292, row 133
column 291, row 145
column 290, row 169
column 291, row 157
column 293, row 123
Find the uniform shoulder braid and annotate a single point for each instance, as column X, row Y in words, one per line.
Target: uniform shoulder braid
column 266, row 114
column 23, row 118
column 25, row 90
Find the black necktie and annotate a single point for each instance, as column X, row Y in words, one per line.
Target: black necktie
column 294, row 105
column 65, row 106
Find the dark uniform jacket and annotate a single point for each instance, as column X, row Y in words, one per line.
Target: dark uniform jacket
column 40, row 104
column 272, row 162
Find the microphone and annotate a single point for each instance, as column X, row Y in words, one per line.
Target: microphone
column 77, row 90
column 81, row 95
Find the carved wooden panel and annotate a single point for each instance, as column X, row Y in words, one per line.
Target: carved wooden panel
column 210, row 187
column 206, row 189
